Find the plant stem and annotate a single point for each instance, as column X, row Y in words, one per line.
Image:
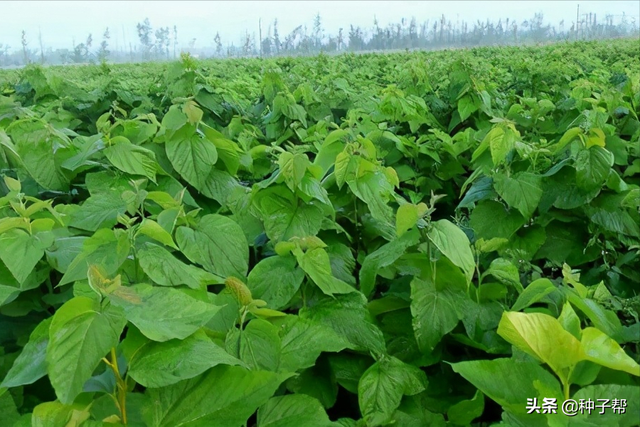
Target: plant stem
column 121, row 386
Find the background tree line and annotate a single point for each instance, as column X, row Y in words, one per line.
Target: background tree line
column 162, row 43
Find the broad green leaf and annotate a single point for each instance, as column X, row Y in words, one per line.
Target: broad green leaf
column 454, row 244
column 533, row 293
column 303, row 341
column 192, row 157
column 505, row 272
column 382, row 386
column 295, row 410
column 407, row 216
column 224, row 396
column 604, row 393
column 151, row 229
column 285, row 217
column 522, row 191
column 592, row 167
column 166, row 270
column 63, row 251
column 570, row 320
column 509, row 382
column 163, row 314
column 464, row 412
column 20, row 251
column 466, row 106
column 490, row 220
column 56, row 414
column 153, row 364
column 99, row 211
column 383, row 257
column 106, row 248
column 258, row 345
column 218, row 244
column 37, row 149
column 220, row 185
column 316, row 382
column 316, row 264
column 8, row 411
column 275, row 280
column 30, row 365
column 348, row 316
column 601, row 349
column 544, row 338
column 132, row 159
column 435, row 312
column 80, row 335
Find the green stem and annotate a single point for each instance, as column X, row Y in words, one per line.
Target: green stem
column 121, row 386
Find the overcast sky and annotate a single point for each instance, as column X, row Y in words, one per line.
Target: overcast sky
column 62, row 22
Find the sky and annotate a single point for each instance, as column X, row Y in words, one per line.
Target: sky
column 63, row 22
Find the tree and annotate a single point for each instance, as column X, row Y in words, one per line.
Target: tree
column 317, row 32
column 175, row 39
column 25, row 43
column 163, row 39
column 145, row 34
column 103, row 52
column 218, row 43
column 41, row 46
column 276, row 37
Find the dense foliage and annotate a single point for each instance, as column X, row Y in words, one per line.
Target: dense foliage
column 424, row 239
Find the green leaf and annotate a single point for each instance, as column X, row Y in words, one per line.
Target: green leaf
column 258, row 345
column 132, row 159
column 407, row 216
column 106, row 248
column 151, row 229
column 453, row 244
column 275, row 280
column 522, row 191
column 592, row 167
column 316, row 264
column 163, row 314
column 348, row 316
column 601, row 349
column 99, row 211
column 30, row 365
column 218, row 244
column 166, row 270
column 534, row 292
column 20, row 251
column 154, row 364
column 384, row 257
column 55, row 414
column 382, row 386
column 505, row 272
column 37, row 148
column 570, row 320
column 303, row 340
column 223, row 396
column 604, row 393
column 295, row 410
column 10, row 414
column 192, row 157
column 544, row 338
column 285, row 217
column 491, row 220
column 464, row 412
column 80, row 335
column 435, row 312
column 509, row 382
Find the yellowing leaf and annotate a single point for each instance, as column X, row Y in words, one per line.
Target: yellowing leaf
column 601, row 349
column 544, row 338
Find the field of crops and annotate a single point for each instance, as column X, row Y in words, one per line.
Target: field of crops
column 420, row 239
